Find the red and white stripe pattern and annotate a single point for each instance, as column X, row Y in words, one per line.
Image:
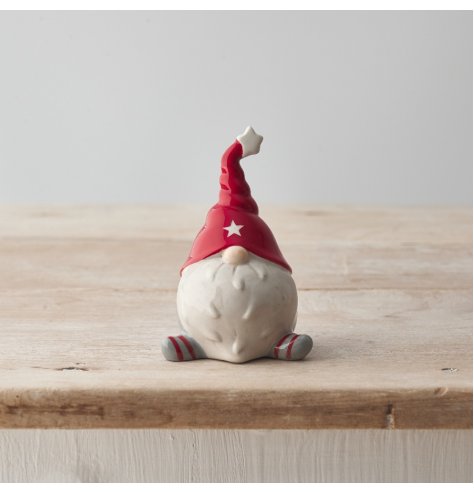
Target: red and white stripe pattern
column 283, row 349
column 183, row 348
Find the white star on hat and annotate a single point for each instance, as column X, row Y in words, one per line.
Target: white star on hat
column 250, row 141
column 233, row 229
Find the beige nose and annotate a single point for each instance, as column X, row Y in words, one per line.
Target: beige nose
column 235, row 255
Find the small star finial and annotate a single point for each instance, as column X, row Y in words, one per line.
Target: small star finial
column 233, row 229
column 250, row 141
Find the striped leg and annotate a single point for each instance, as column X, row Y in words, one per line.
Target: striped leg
column 292, row 347
column 181, row 348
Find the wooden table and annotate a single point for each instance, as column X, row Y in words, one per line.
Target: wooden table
column 88, row 292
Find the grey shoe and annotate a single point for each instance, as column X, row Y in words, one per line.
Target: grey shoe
column 181, row 348
column 292, row 347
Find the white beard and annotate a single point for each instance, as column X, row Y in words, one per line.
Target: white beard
column 237, row 313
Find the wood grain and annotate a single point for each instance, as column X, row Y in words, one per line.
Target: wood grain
column 235, row 456
column 87, row 293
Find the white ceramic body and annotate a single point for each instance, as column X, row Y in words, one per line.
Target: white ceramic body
column 237, row 312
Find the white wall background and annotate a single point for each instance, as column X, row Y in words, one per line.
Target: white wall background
column 355, row 107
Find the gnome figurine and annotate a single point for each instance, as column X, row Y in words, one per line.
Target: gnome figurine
column 236, row 299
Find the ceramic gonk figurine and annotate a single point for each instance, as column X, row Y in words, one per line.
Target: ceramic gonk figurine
column 236, row 300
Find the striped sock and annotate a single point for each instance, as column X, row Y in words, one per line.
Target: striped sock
column 181, row 348
column 292, row 347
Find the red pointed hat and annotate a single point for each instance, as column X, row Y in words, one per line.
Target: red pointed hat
column 234, row 220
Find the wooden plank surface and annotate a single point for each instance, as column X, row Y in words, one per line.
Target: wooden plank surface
column 87, row 293
column 161, row 455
